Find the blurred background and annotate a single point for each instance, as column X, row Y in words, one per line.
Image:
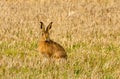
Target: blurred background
column 89, row 30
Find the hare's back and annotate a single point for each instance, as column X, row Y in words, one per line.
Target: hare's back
column 59, row 51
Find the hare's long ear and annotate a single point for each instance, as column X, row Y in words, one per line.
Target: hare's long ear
column 49, row 26
column 42, row 26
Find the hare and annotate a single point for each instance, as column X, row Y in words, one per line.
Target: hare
column 47, row 47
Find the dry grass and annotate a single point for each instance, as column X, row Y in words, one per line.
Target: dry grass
column 89, row 30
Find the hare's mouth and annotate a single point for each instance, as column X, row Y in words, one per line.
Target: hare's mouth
column 47, row 40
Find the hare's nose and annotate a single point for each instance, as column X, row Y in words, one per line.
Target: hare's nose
column 47, row 39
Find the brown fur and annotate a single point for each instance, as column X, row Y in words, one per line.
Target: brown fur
column 49, row 48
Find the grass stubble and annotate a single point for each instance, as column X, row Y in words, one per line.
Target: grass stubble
column 89, row 30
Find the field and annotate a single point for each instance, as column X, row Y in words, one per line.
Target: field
column 89, row 30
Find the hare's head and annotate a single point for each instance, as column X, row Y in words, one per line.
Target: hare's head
column 45, row 31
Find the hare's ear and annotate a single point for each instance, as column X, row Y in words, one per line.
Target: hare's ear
column 42, row 26
column 49, row 26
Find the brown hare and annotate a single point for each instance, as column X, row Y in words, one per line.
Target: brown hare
column 47, row 47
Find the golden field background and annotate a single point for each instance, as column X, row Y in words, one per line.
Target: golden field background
column 89, row 30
